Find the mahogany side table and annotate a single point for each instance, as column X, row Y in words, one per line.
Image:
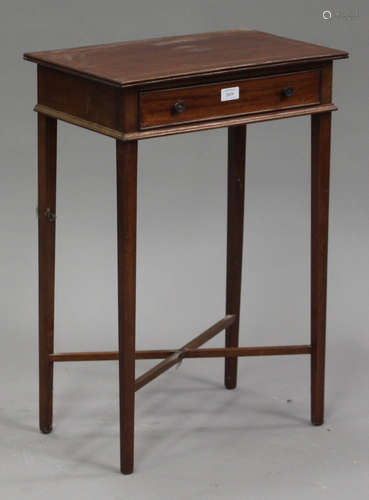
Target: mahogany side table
column 158, row 87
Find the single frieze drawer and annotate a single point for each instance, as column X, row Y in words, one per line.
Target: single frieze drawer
column 204, row 102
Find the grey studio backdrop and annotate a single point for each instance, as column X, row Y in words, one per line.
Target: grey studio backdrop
column 194, row 439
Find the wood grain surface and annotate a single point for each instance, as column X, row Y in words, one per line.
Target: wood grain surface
column 125, row 63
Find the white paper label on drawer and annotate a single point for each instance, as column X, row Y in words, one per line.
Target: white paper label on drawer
column 230, row 94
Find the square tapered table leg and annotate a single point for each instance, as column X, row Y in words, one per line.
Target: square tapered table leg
column 320, row 166
column 47, row 132
column 126, row 218
column 235, row 215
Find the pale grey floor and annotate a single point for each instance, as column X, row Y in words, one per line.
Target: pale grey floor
column 194, row 439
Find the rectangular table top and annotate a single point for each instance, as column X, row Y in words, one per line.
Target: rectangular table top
column 137, row 62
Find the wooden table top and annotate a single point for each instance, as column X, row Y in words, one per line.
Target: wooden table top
column 137, row 62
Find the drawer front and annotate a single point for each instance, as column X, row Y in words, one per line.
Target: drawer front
column 203, row 102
